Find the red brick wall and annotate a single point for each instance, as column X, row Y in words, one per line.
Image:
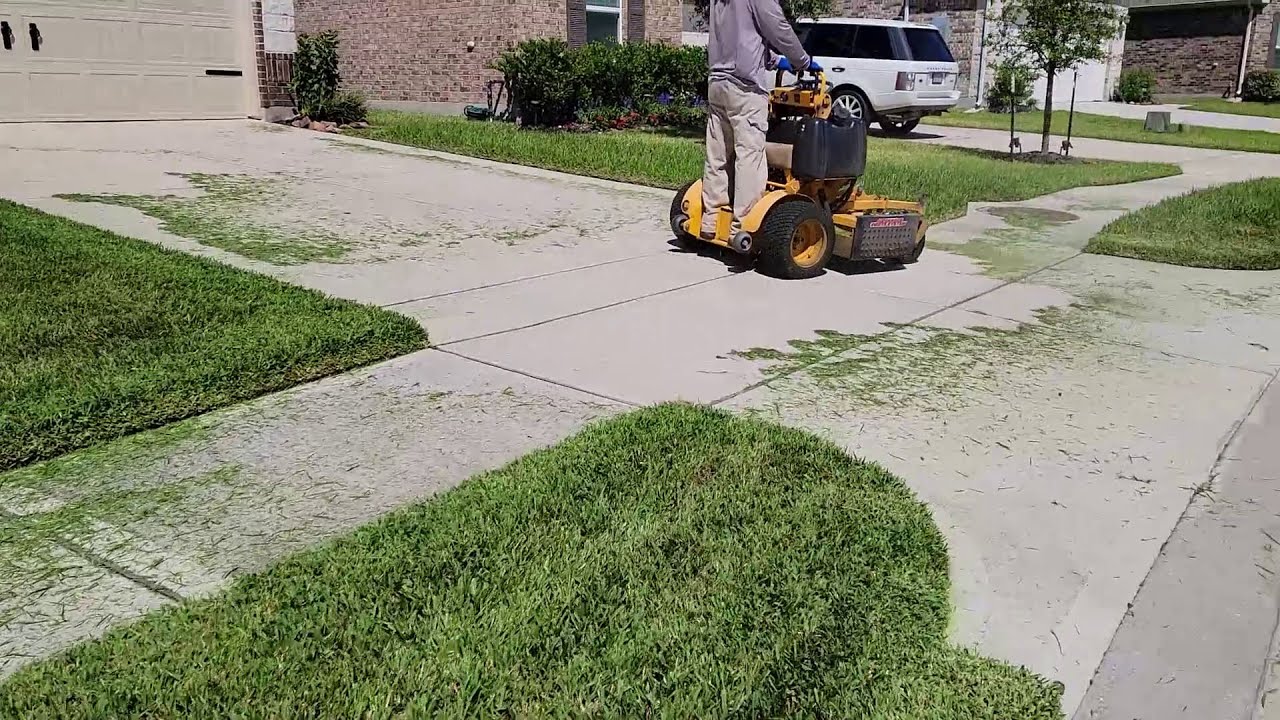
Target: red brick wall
column 1262, row 51
column 274, row 69
column 663, row 20
column 1188, row 51
column 415, row 50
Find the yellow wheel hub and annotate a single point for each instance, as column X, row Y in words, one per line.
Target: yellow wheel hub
column 809, row 243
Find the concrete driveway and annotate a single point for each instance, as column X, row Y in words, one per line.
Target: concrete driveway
column 1057, row 410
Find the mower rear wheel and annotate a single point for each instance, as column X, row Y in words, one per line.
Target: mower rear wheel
column 796, row 241
column 679, row 214
column 915, row 254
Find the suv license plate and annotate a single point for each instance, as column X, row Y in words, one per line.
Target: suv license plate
column 938, row 78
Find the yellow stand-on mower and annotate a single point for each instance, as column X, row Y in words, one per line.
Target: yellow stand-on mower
column 813, row 207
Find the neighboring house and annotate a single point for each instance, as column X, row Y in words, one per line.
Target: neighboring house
column 439, row 51
column 137, row 60
column 1197, row 46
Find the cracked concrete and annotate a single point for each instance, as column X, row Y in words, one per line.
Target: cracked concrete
column 1056, row 410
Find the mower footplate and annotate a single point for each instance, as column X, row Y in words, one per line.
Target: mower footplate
column 885, row 236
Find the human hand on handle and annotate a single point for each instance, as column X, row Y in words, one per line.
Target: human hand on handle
column 785, row 65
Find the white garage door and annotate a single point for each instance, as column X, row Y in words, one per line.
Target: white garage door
column 123, row 59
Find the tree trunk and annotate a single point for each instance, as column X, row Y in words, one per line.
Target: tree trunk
column 1048, row 109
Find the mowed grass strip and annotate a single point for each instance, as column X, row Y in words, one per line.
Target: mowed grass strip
column 102, row 335
column 1233, row 227
column 949, row 177
column 674, row 562
column 1217, row 105
column 1104, row 127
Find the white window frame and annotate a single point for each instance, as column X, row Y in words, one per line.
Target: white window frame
column 617, row 11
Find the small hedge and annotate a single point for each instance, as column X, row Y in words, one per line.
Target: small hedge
column 605, row 84
column 1011, row 88
column 1136, row 86
column 316, row 81
column 1261, row 86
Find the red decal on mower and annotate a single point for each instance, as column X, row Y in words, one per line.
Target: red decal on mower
column 891, row 222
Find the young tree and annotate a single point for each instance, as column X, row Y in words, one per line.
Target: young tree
column 1054, row 35
column 793, row 9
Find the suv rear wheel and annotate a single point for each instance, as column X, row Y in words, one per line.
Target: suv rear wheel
column 898, row 129
column 855, row 102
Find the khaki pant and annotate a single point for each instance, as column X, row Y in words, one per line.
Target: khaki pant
column 736, row 123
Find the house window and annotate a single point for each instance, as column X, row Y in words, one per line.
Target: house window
column 604, row 21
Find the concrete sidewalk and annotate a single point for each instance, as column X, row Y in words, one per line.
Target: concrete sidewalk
column 1056, row 410
column 1183, row 116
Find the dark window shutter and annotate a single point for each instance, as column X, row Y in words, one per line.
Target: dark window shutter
column 577, row 22
column 635, row 20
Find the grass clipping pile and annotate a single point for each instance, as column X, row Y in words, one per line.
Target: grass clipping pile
column 673, row 562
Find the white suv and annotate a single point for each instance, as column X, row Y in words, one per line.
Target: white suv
column 885, row 71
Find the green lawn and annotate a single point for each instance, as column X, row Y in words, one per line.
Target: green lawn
column 1236, row 227
column 950, row 177
column 1114, row 128
column 1271, row 110
column 102, row 335
column 674, row 562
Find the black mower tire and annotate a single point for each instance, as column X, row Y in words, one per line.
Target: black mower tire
column 780, row 226
column 896, row 129
column 914, row 257
column 677, row 211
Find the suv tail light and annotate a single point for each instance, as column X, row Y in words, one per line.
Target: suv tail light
column 906, row 81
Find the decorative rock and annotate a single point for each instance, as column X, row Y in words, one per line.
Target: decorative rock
column 301, row 122
column 359, row 125
column 279, row 114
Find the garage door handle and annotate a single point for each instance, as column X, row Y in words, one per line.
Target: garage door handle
column 6, row 33
column 35, row 36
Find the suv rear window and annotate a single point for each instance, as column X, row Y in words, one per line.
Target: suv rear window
column 873, row 43
column 828, row 40
column 928, row 45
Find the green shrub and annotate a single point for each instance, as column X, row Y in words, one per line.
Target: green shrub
column 540, row 78
column 343, row 108
column 1261, row 86
column 552, row 84
column 1011, row 87
column 315, row 71
column 1136, row 86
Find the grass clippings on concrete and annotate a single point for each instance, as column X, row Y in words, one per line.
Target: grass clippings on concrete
column 1232, row 227
column 673, row 562
column 949, row 177
column 228, row 213
column 102, row 335
column 1254, row 109
column 1104, row 127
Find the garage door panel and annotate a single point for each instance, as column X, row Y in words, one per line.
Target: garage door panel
column 124, row 59
column 55, row 95
column 114, row 94
column 212, row 92
column 13, row 87
column 211, row 46
column 163, row 42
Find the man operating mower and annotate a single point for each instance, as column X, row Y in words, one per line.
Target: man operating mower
column 748, row 38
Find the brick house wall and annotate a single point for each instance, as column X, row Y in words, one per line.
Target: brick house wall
column 1262, row 51
column 415, row 50
column 274, row 43
column 1191, row 50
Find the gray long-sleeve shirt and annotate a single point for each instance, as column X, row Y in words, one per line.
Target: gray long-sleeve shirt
column 744, row 37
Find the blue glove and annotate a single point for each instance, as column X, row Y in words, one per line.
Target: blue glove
column 784, row 64
column 813, row 65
